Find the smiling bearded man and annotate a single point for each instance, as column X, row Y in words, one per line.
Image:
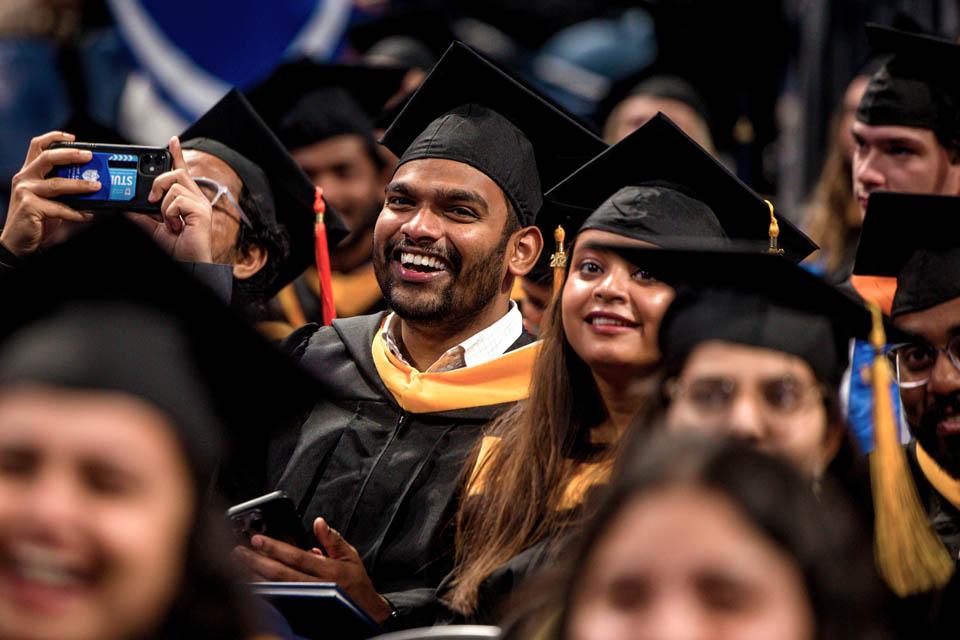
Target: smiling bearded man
column 406, row 394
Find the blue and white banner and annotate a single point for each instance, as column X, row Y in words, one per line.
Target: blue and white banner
column 191, row 52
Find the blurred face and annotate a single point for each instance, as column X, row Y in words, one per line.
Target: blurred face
column 440, row 250
column 226, row 221
column 635, row 111
column 769, row 398
column 933, row 409
column 904, row 159
column 95, row 510
column 685, row 563
column 350, row 179
column 536, row 297
column 611, row 309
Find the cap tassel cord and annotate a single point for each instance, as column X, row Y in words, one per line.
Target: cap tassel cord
column 558, row 261
column 774, row 232
column 323, row 259
column 909, row 555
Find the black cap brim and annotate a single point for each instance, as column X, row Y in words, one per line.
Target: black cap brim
column 234, row 123
column 370, row 86
column 660, row 152
column 462, row 77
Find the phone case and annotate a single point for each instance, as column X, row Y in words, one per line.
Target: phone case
column 126, row 173
column 272, row 515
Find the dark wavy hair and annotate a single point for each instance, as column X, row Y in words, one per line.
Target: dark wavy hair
column 250, row 295
column 819, row 533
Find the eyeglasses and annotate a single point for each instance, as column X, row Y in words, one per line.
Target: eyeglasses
column 716, row 396
column 216, row 192
column 913, row 363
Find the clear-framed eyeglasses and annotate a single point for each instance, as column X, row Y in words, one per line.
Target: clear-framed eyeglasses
column 913, row 363
column 216, row 193
column 715, row 396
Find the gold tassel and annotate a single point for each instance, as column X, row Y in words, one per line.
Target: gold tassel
column 909, row 555
column 558, row 261
column 774, row 232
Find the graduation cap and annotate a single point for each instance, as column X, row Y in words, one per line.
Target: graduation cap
column 305, row 101
column 657, row 184
column 282, row 194
column 413, row 36
column 471, row 111
column 914, row 238
column 916, row 87
column 234, row 400
column 751, row 298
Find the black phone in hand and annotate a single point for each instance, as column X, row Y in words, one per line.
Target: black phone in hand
column 273, row 515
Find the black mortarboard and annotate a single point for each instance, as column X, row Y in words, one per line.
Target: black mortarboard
column 305, row 101
column 755, row 299
column 471, row 111
column 915, row 238
column 161, row 336
column 414, row 36
column 282, row 194
column 656, row 184
column 916, row 87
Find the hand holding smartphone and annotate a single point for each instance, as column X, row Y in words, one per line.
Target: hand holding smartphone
column 273, row 515
column 125, row 172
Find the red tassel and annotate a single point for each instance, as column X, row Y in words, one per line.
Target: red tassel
column 323, row 260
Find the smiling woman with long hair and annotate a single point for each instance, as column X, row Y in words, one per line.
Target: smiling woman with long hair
column 537, row 464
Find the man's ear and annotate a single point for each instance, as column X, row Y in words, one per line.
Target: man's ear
column 249, row 261
column 527, row 243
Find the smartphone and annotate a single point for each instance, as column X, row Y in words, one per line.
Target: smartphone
column 126, row 174
column 273, row 515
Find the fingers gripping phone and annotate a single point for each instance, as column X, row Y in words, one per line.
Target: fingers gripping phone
column 273, row 515
column 125, row 172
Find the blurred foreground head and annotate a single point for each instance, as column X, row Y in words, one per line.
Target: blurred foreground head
column 707, row 538
column 113, row 399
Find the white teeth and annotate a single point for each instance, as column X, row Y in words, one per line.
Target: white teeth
column 421, row 260
column 43, row 565
column 598, row 320
column 46, row 575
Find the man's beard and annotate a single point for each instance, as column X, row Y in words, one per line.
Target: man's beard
column 945, row 450
column 457, row 302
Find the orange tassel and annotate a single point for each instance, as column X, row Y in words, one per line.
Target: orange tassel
column 323, row 260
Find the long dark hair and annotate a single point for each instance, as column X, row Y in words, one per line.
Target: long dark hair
column 543, row 441
column 820, row 534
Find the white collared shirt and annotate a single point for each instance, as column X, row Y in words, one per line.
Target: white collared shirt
column 479, row 348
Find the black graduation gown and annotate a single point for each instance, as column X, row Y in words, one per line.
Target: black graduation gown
column 934, row 615
column 386, row 479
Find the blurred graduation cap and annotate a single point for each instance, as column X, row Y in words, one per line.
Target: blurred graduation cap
column 916, row 86
column 235, row 401
column 658, row 81
column 283, row 195
column 658, row 184
column 915, row 238
column 305, row 101
column 411, row 36
column 471, row 111
column 755, row 299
